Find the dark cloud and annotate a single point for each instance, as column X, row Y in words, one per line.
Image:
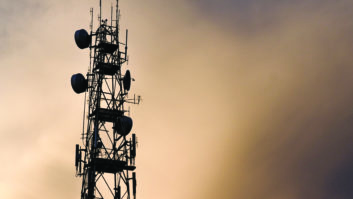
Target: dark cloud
column 256, row 16
column 297, row 98
column 340, row 183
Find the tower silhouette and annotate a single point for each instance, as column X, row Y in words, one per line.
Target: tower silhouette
column 106, row 158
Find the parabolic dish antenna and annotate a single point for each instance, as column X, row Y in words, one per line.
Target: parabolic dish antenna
column 82, row 39
column 127, row 80
column 123, row 125
column 79, row 83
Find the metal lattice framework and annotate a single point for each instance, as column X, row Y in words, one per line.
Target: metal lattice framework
column 106, row 160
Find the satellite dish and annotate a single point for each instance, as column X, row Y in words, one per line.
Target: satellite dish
column 79, row 83
column 123, row 125
column 82, row 39
column 127, row 80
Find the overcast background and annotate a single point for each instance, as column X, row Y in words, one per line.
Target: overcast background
column 242, row 99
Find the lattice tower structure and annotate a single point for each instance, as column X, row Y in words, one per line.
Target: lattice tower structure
column 106, row 159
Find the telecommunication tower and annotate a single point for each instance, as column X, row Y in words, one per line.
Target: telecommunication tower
column 106, row 158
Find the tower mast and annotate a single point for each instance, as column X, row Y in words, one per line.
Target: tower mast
column 106, row 160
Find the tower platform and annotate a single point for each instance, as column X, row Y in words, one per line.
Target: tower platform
column 111, row 166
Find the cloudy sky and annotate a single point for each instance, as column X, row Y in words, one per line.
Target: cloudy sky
column 242, row 99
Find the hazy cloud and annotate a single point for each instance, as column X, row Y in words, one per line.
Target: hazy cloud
column 242, row 99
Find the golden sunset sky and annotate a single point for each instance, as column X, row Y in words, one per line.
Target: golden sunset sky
column 242, row 99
